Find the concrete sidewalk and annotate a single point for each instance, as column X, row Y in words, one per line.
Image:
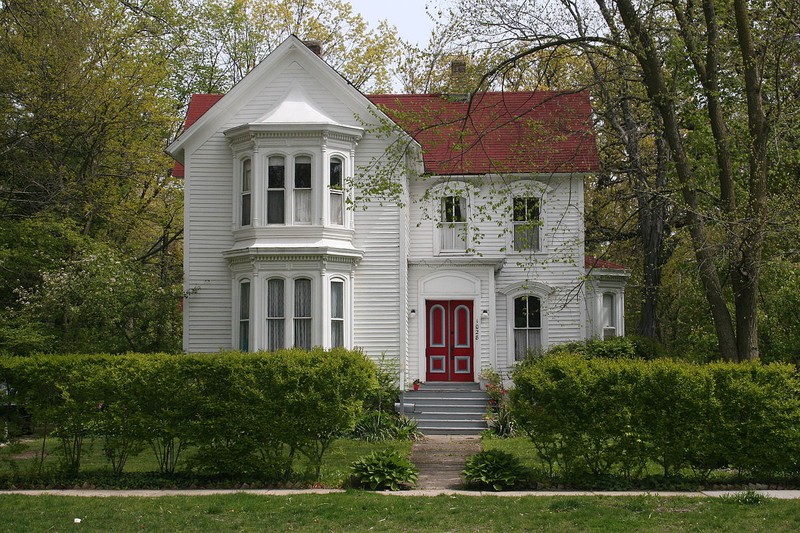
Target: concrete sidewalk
column 777, row 494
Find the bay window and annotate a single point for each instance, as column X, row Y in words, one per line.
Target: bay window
column 276, row 171
column 245, row 206
column 244, row 316
column 302, row 313
column 336, row 206
column 337, row 314
column 302, row 190
column 275, row 314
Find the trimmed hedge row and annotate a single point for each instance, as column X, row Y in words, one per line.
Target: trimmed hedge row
column 241, row 413
column 604, row 417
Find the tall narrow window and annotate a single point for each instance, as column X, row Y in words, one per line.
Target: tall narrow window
column 527, row 326
column 302, row 190
column 336, row 192
column 609, row 316
column 302, row 313
column 454, row 223
column 526, row 223
column 244, row 316
column 275, row 190
column 275, row 315
column 247, row 175
column 337, row 314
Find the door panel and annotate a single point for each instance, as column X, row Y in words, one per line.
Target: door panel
column 449, row 352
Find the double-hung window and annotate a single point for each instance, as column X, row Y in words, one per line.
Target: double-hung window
column 337, row 314
column 276, row 184
column 609, row 316
column 244, row 316
column 453, row 223
column 336, row 207
column 302, row 313
column 527, row 326
column 275, row 314
column 247, row 179
column 302, row 190
column 526, row 221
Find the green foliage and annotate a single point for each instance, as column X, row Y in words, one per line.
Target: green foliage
column 377, row 426
column 748, row 497
column 498, row 416
column 495, row 469
column 630, row 346
column 603, row 417
column 384, row 470
column 245, row 414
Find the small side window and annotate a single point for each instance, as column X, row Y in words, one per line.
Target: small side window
column 276, row 172
column 336, row 192
column 247, row 178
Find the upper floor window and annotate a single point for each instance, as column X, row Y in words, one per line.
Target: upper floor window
column 302, row 190
column 244, row 316
column 337, row 313
column 247, row 183
column 609, row 315
column 336, row 205
column 527, row 326
column 453, row 230
column 276, row 183
column 526, row 221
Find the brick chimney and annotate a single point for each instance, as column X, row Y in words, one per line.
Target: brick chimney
column 314, row 46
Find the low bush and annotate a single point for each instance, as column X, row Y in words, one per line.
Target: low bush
column 384, row 470
column 612, row 417
column 495, row 469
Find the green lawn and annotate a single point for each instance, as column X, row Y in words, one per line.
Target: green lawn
column 22, row 459
column 356, row 511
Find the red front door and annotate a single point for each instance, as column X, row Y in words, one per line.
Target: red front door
column 449, row 351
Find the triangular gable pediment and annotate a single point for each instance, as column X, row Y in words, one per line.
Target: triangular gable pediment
column 292, row 105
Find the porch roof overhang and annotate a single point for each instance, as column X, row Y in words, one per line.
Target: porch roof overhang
column 460, row 261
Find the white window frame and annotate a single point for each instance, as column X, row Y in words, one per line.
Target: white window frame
column 339, row 193
column 289, row 317
column 527, row 328
column 344, row 319
column 268, row 189
column 298, row 192
column 308, row 320
column 527, row 288
column 246, row 190
column 438, row 194
column 526, row 225
column 528, row 188
column 242, row 320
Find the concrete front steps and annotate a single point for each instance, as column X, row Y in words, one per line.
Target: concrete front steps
column 447, row 408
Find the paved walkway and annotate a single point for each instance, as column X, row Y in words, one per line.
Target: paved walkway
column 440, row 459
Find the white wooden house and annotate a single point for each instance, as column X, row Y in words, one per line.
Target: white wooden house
column 476, row 260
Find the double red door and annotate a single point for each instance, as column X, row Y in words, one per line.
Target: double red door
column 449, row 351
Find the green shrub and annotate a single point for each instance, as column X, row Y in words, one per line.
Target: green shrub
column 377, row 426
column 630, row 347
column 611, row 417
column 495, row 469
column 243, row 413
column 384, row 470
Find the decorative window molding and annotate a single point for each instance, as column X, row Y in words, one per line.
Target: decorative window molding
column 452, row 204
column 527, row 216
column 527, row 304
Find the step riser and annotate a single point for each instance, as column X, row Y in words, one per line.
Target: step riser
column 446, row 409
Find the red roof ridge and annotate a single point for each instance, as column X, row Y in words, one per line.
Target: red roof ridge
column 590, row 262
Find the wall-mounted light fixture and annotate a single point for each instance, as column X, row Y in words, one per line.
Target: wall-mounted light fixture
column 485, row 313
column 412, row 313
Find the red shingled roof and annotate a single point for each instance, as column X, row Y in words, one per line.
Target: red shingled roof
column 542, row 131
column 198, row 105
column 590, row 262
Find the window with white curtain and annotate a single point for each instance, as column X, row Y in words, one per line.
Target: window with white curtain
column 526, row 221
column 244, row 316
column 247, row 176
column 527, row 326
column 302, row 190
column 302, row 313
column 337, row 314
column 609, row 316
column 276, row 186
column 336, row 185
column 276, row 330
column 453, row 224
